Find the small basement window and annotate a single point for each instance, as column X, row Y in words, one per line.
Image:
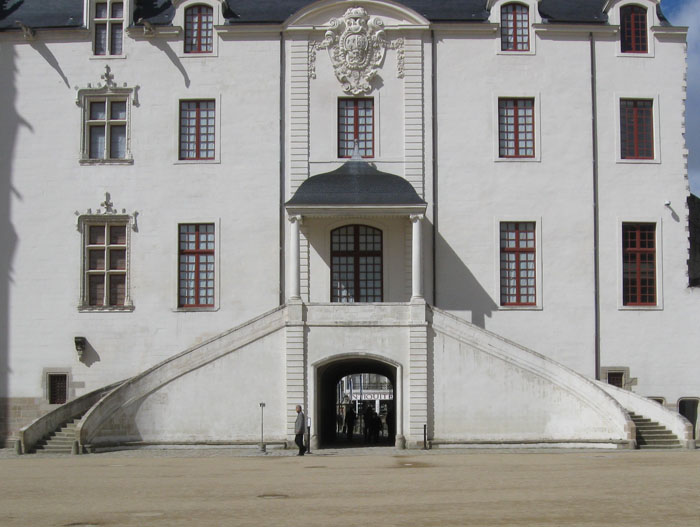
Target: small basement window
column 58, row 388
column 616, row 378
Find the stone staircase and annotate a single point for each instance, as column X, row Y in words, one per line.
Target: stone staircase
column 651, row 434
column 60, row 441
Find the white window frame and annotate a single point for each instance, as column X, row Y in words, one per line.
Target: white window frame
column 217, row 130
column 109, row 21
column 525, row 218
column 107, row 92
column 496, row 128
column 84, row 223
column 655, row 112
column 217, row 266
column 658, row 221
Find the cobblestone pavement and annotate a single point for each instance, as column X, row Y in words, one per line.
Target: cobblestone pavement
column 368, row 486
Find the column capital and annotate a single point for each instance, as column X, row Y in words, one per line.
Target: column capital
column 416, row 217
column 295, row 218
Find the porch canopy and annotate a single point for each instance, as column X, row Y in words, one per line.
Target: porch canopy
column 356, row 188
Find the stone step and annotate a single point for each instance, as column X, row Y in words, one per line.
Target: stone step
column 652, row 435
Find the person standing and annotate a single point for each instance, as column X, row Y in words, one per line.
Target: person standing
column 299, row 429
column 350, row 421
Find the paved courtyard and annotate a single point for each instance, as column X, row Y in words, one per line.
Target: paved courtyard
column 376, row 487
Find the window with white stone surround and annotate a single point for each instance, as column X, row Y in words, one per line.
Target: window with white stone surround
column 108, row 27
column 106, row 110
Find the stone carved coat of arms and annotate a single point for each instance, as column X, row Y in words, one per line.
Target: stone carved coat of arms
column 356, row 45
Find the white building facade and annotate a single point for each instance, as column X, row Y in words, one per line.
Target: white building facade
column 210, row 204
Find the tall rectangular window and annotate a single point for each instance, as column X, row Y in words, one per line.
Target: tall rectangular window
column 636, row 129
column 108, row 25
column 515, row 28
column 633, row 29
column 518, row 264
column 105, row 264
column 105, row 129
column 199, row 29
column 355, row 125
column 197, row 127
column 516, row 127
column 639, row 264
column 196, row 265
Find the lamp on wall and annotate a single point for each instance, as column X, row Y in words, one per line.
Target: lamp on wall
column 80, row 343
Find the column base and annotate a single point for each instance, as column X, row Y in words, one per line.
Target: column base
column 314, row 442
column 400, row 442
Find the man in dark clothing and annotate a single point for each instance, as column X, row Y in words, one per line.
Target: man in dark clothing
column 350, row 422
column 299, row 429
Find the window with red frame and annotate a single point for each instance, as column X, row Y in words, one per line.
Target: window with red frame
column 633, row 29
column 199, row 29
column 355, row 124
column 515, row 28
column 639, row 264
column 196, row 263
column 636, row 129
column 518, row 264
column 197, row 124
column 516, row 127
column 356, row 264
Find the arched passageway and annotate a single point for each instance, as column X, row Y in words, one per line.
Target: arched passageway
column 328, row 399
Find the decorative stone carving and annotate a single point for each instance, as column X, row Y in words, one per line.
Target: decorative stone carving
column 108, row 88
column 108, row 211
column 356, row 45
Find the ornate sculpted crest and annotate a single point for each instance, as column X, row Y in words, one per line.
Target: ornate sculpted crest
column 356, row 46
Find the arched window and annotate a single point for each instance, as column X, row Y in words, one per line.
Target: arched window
column 199, row 29
column 356, row 264
column 515, row 28
column 633, row 29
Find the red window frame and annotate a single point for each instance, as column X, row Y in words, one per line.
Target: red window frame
column 199, row 29
column 197, row 130
column 515, row 27
column 633, row 29
column 639, row 264
column 636, row 129
column 516, row 127
column 350, row 243
column 518, row 263
column 352, row 126
column 196, row 265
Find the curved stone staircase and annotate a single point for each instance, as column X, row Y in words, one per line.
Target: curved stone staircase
column 61, row 441
column 650, row 434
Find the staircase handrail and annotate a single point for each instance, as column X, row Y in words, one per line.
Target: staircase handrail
column 673, row 421
column 535, row 363
column 31, row 434
column 141, row 385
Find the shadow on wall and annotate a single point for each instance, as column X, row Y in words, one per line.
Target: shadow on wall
column 11, row 122
column 457, row 288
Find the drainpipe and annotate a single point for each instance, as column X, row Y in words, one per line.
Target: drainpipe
column 282, row 224
column 435, row 165
column 596, row 219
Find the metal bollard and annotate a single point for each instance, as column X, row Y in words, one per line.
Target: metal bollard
column 425, row 437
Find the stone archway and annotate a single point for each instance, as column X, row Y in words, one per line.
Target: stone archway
column 330, row 372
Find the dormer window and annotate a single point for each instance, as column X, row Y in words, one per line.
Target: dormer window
column 633, row 29
column 109, row 24
column 515, row 28
column 199, row 29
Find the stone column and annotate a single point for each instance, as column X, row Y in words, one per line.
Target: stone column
column 294, row 288
column 417, row 257
column 398, row 409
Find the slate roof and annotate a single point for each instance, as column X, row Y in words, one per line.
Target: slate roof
column 41, row 13
column 69, row 13
column 355, row 183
